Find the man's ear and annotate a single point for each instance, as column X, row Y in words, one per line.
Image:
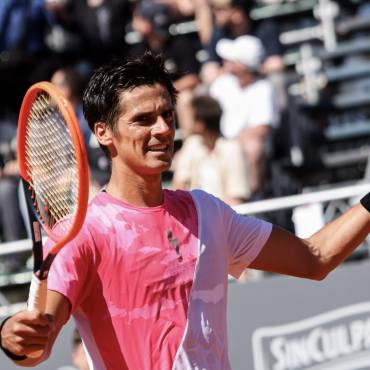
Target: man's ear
column 103, row 133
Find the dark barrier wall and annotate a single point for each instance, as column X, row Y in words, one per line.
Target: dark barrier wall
column 284, row 323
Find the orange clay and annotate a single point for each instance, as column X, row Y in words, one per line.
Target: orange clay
column 79, row 148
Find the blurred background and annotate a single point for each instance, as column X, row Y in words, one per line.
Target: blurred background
column 273, row 117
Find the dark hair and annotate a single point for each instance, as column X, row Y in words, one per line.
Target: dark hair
column 208, row 110
column 102, row 97
column 246, row 5
column 76, row 339
column 74, row 80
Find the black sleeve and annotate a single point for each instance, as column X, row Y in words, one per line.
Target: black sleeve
column 186, row 55
column 268, row 33
column 211, row 47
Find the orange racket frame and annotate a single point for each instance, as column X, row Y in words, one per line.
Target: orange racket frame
column 79, row 147
column 38, row 288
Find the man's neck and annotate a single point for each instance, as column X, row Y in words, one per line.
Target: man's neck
column 131, row 188
column 155, row 42
column 240, row 29
column 210, row 138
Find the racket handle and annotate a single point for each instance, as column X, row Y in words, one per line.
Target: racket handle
column 37, row 302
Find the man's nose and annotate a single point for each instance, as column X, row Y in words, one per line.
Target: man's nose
column 161, row 127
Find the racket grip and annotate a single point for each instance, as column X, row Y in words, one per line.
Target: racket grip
column 37, row 302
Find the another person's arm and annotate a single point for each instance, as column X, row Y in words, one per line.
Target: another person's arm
column 187, row 82
column 314, row 257
column 274, row 63
column 30, row 331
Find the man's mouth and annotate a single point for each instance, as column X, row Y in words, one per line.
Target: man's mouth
column 158, row 148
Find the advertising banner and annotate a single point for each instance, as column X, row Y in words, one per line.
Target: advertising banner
column 284, row 323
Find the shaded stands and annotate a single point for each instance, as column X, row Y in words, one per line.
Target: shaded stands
column 325, row 133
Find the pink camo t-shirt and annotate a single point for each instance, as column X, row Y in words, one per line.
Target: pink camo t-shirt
column 132, row 278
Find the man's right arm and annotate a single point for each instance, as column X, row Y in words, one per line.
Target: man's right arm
column 29, row 331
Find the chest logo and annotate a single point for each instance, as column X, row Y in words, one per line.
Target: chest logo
column 174, row 243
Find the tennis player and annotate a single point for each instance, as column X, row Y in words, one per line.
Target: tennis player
column 146, row 278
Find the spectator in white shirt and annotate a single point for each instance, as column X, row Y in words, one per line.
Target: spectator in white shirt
column 248, row 101
column 210, row 162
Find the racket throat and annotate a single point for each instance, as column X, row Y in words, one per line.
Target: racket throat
column 45, row 267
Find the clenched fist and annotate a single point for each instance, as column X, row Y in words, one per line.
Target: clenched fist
column 26, row 332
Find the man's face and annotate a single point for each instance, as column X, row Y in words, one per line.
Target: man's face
column 223, row 15
column 144, row 136
column 141, row 25
column 244, row 75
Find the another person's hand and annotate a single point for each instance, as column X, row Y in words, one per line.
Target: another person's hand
column 11, row 168
column 26, row 332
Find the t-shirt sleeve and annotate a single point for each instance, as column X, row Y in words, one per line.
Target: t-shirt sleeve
column 246, row 237
column 268, row 33
column 236, row 171
column 187, row 61
column 265, row 110
column 186, row 162
column 212, row 56
column 71, row 272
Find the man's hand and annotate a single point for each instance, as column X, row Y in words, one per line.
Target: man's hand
column 26, row 332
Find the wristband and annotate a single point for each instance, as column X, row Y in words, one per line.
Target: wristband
column 8, row 353
column 365, row 201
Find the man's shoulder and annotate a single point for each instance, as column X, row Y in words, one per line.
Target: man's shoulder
column 222, row 83
column 261, row 86
column 220, row 33
column 228, row 147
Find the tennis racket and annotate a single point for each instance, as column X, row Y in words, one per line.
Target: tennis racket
column 54, row 169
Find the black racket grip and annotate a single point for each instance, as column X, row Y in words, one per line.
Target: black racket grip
column 35, row 228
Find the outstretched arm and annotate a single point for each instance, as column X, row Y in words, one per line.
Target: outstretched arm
column 315, row 257
column 30, row 331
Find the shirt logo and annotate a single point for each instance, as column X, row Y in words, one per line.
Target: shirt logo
column 174, row 243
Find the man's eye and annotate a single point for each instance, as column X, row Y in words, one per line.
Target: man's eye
column 142, row 118
column 167, row 115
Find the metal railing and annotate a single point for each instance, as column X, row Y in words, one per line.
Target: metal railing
column 245, row 209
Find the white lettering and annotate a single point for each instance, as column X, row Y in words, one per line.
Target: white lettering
column 313, row 345
column 299, row 355
column 276, row 348
column 330, row 343
column 356, row 329
column 343, row 342
column 367, row 334
column 320, row 345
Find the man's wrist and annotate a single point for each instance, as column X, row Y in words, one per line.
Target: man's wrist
column 11, row 355
column 365, row 201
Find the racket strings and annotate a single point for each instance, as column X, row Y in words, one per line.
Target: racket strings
column 52, row 165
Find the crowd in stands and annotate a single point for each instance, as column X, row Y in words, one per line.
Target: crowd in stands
column 226, row 107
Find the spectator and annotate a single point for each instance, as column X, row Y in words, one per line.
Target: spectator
column 232, row 20
column 72, row 84
column 23, row 24
column 199, row 9
column 248, row 101
column 11, row 224
column 102, row 24
column 210, row 162
column 152, row 21
column 78, row 352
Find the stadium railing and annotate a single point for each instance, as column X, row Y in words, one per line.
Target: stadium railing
column 334, row 198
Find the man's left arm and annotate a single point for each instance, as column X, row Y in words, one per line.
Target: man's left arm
column 314, row 257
